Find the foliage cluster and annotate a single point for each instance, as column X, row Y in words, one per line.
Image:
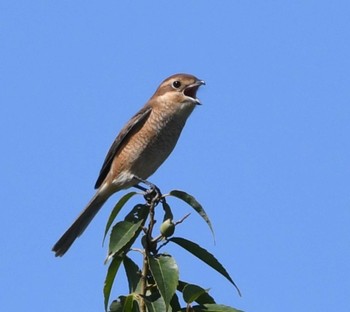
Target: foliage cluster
column 156, row 285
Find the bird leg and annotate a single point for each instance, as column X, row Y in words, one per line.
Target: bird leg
column 152, row 194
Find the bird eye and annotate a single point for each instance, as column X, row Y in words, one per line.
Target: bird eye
column 176, row 84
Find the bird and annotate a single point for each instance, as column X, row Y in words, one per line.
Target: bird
column 140, row 148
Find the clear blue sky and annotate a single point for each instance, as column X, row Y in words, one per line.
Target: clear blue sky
column 267, row 154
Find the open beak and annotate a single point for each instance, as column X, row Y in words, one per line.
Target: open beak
column 191, row 90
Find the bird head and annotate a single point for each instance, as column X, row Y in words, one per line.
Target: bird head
column 179, row 88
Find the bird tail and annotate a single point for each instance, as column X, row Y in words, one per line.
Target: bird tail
column 79, row 225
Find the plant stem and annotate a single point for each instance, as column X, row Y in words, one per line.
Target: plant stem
column 144, row 281
column 152, row 202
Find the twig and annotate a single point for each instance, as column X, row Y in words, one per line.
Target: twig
column 183, row 219
column 153, row 197
column 144, row 282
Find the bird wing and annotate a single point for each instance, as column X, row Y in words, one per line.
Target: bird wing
column 134, row 124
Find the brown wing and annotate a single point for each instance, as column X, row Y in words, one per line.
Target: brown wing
column 133, row 125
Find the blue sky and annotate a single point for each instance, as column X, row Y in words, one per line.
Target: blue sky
column 267, row 154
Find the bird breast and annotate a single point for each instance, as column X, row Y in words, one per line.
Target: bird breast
column 153, row 143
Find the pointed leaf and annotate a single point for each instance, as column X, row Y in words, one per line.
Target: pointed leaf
column 196, row 293
column 215, row 308
column 167, row 211
column 202, row 299
column 205, row 256
column 122, row 233
column 133, row 274
column 166, row 275
column 116, row 210
column 189, row 199
column 192, row 292
column 111, row 273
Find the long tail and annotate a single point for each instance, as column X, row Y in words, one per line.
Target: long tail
column 79, row 225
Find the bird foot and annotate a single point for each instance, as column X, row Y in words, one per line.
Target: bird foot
column 152, row 194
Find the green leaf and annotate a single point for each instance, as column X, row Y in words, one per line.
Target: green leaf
column 202, row 299
column 166, row 275
column 116, row 210
column 189, row 199
column 215, row 308
column 122, row 233
column 155, row 302
column 167, row 211
column 129, row 303
column 133, row 274
column 111, row 273
column 192, row 293
column 181, row 285
column 139, row 212
column 116, row 306
column 205, row 256
column 174, row 303
column 125, row 304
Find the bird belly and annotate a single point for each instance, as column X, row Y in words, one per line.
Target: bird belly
column 154, row 150
column 148, row 149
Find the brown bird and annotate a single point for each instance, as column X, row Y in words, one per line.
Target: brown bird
column 140, row 148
